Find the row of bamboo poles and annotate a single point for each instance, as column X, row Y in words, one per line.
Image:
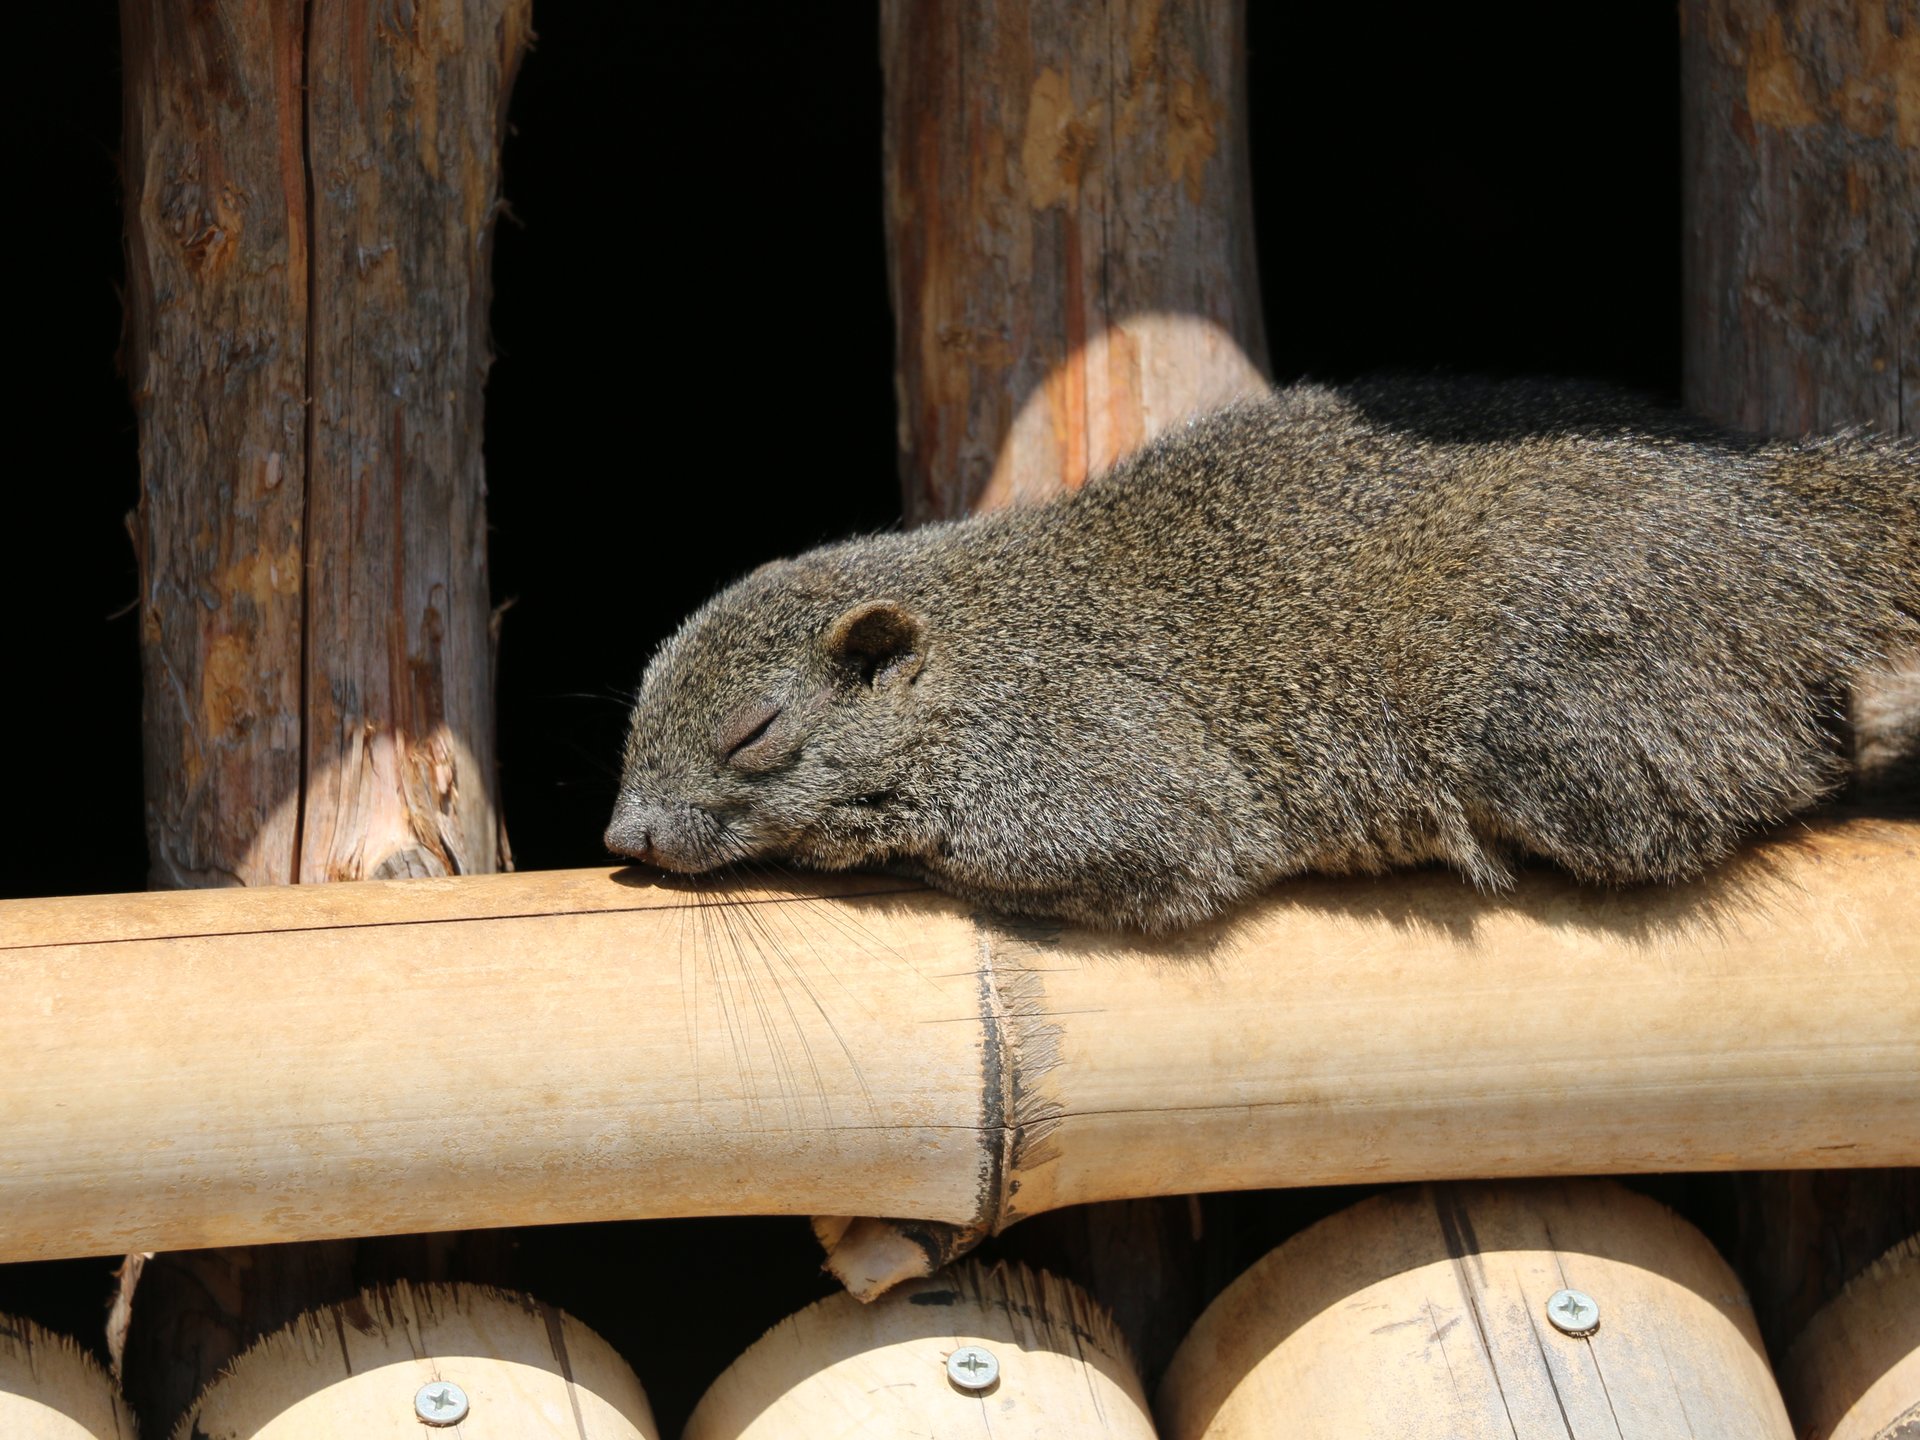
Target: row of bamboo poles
column 310, row 196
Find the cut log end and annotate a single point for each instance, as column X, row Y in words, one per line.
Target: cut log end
column 979, row 1350
column 52, row 1389
column 396, row 1363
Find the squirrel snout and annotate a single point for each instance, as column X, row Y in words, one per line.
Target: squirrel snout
column 631, row 831
column 647, row 832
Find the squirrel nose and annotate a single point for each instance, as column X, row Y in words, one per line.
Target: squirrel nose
column 630, row 833
column 655, row 834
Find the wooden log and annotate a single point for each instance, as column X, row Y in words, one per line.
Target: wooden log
column 308, row 218
column 843, row 1369
column 51, row 1389
column 1800, row 160
column 277, row 1064
column 1423, row 1314
column 404, row 119
column 216, row 353
column 1854, row 1373
column 1069, row 236
column 376, row 1367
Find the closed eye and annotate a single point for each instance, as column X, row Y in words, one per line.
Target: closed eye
column 748, row 730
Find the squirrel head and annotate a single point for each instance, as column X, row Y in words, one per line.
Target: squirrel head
column 777, row 720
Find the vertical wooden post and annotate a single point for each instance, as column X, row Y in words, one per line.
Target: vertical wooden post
column 216, row 351
column 1801, row 165
column 1070, row 251
column 1070, row 236
column 406, row 110
column 308, row 347
column 311, row 189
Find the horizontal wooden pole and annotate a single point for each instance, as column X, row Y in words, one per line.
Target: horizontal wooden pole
column 224, row 1067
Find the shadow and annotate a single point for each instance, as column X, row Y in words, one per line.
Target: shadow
column 1758, row 881
column 1865, row 1333
column 1459, row 408
column 750, row 881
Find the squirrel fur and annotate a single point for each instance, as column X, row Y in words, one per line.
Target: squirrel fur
column 1332, row 629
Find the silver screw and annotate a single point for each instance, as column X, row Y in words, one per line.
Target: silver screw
column 441, row 1403
column 973, row 1369
column 1573, row 1312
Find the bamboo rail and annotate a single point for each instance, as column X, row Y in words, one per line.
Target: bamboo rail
column 224, row 1067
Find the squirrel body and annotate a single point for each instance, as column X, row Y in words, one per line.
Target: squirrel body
column 1330, row 629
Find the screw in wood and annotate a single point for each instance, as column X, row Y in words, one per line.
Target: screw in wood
column 973, row 1369
column 1573, row 1312
column 441, row 1403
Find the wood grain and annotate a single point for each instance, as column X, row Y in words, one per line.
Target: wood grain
column 311, row 192
column 1069, row 236
column 51, row 1389
column 1801, row 313
column 1801, row 208
column 1421, row 1314
column 653, row 1052
column 1854, row 1373
column 529, row 1371
column 406, row 110
column 878, row 1372
column 216, row 351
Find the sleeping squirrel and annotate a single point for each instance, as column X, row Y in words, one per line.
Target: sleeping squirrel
column 1332, row 629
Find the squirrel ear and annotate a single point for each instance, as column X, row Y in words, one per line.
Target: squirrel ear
column 879, row 641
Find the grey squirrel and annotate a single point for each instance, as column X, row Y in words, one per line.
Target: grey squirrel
column 1333, row 629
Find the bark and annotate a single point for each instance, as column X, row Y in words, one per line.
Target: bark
column 310, row 196
column 406, row 113
column 1070, row 236
column 314, row 588
column 1801, row 162
column 216, row 352
column 1801, row 166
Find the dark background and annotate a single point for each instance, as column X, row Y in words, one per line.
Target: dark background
column 694, row 375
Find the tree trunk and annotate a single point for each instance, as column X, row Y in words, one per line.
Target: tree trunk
column 310, row 194
column 1070, row 236
column 1801, row 162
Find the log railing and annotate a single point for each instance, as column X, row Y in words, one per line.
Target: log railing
column 224, row 1067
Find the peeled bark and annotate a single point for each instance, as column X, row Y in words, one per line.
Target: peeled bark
column 216, row 350
column 1801, row 165
column 1069, row 236
column 307, row 344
